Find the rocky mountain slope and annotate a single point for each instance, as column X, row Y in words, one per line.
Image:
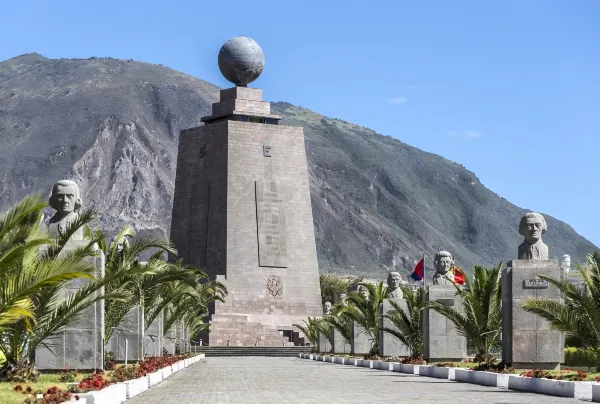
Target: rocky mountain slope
column 113, row 126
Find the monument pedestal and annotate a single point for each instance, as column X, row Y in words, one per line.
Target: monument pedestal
column 340, row 344
column 324, row 344
column 242, row 212
column 129, row 333
column 389, row 345
column 360, row 342
column 528, row 341
column 153, row 337
column 79, row 345
column 441, row 340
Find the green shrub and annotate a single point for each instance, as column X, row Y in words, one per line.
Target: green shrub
column 581, row 357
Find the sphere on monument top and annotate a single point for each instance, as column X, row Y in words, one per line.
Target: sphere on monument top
column 241, row 60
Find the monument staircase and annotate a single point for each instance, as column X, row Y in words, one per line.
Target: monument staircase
column 237, row 331
column 274, row 351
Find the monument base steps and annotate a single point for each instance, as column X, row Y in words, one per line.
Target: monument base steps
column 240, row 332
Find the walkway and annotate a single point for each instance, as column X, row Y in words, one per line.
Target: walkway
column 264, row 380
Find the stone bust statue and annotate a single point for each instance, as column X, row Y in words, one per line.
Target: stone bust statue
column 531, row 227
column 66, row 200
column 443, row 262
column 362, row 289
column 327, row 307
column 343, row 297
column 394, row 280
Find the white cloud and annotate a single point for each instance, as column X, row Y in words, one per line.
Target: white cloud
column 397, row 100
column 467, row 134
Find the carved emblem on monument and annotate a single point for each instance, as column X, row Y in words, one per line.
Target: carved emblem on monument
column 531, row 227
column 275, row 286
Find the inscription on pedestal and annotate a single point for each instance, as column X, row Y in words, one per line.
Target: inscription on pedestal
column 535, row 284
column 270, row 217
column 446, row 302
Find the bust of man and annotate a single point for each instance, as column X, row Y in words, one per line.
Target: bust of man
column 443, row 262
column 394, row 281
column 343, row 297
column 362, row 289
column 531, row 227
column 66, row 200
column 327, row 307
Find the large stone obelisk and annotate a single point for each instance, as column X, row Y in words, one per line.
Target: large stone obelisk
column 242, row 210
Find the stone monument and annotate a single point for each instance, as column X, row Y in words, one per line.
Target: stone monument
column 66, row 200
column 394, row 281
column 327, row 308
column 441, row 340
column 528, row 340
column 242, row 210
column 80, row 345
column 443, row 264
column 388, row 344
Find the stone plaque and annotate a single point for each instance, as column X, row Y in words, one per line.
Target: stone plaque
column 446, row 302
column 270, row 217
column 535, row 284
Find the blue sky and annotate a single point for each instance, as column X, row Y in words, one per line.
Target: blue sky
column 509, row 89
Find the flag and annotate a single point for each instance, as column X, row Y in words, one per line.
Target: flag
column 459, row 277
column 417, row 274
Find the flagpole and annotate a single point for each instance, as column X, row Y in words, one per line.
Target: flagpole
column 424, row 271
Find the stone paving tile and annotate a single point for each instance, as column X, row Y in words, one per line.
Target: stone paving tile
column 264, row 380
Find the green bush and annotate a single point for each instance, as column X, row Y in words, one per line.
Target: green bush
column 581, row 357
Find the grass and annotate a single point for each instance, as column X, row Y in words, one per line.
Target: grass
column 9, row 396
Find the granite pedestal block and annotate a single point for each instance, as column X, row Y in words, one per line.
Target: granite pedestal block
column 129, row 333
column 153, row 337
column 79, row 345
column 324, row 344
column 242, row 212
column 389, row 345
column 340, row 344
column 170, row 341
column 361, row 341
column 441, row 340
column 528, row 340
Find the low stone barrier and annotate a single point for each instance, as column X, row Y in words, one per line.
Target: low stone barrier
column 588, row 391
column 120, row 392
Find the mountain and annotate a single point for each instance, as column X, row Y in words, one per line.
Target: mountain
column 113, row 126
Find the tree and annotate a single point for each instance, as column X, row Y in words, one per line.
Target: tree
column 408, row 325
column 579, row 314
column 34, row 272
column 365, row 311
column 310, row 329
column 480, row 317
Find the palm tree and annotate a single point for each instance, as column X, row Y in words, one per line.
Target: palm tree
column 310, row 329
column 579, row 314
column 480, row 317
column 365, row 311
column 408, row 325
column 337, row 321
column 34, row 272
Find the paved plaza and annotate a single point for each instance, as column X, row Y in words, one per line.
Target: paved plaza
column 264, row 380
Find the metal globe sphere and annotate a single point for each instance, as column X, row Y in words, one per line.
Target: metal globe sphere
column 241, row 60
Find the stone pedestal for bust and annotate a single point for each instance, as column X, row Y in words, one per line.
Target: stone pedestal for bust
column 360, row 342
column 242, row 212
column 528, row 341
column 324, row 344
column 441, row 340
column 388, row 344
column 170, row 341
column 340, row 344
column 153, row 337
column 130, row 332
column 80, row 345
